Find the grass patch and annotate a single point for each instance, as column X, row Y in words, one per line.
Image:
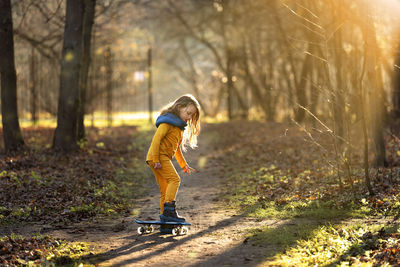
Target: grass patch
column 280, row 237
column 244, row 194
column 327, row 245
column 253, row 207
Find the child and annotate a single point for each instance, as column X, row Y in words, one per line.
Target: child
column 178, row 124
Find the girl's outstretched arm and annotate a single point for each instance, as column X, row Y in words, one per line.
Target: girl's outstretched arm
column 179, row 156
column 182, row 162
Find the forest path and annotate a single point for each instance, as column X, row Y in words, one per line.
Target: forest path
column 216, row 236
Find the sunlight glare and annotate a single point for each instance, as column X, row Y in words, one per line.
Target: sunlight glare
column 391, row 7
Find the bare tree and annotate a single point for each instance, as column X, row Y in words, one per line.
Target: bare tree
column 377, row 102
column 396, row 85
column 65, row 136
column 33, row 87
column 11, row 130
column 88, row 20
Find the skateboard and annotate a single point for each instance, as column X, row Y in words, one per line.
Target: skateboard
column 174, row 228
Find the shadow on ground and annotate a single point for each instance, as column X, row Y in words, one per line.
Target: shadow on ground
column 249, row 252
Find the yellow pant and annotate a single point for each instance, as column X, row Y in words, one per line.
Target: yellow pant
column 168, row 181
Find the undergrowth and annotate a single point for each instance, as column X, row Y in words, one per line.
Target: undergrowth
column 40, row 250
column 330, row 245
column 102, row 179
column 247, row 192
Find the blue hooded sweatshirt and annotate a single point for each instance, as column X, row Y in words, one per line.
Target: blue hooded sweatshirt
column 172, row 120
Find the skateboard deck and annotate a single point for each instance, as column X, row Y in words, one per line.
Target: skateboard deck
column 175, row 228
column 161, row 222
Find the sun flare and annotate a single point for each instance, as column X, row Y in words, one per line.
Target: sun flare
column 390, row 7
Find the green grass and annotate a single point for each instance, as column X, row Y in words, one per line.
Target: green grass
column 243, row 195
column 253, row 207
column 324, row 245
column 280, row 237
column 70, row 254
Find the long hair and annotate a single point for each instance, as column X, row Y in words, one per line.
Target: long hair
column 193, row 129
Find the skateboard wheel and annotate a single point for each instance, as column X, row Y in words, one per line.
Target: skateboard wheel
column 150, row 229
column 175, row 231
column 141, row 230
column 184, row 230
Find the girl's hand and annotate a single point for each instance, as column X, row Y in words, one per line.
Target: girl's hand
column 188, row 169
column 157, row 165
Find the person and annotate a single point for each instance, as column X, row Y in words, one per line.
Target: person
column 177, row 126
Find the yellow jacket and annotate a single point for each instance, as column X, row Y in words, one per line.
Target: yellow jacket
column 166, row 144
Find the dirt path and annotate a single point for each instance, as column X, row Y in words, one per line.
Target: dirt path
column 216, row 237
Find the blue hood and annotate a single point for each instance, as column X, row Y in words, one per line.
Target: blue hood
column 171, row 119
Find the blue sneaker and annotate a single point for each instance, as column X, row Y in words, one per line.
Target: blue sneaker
column 170, row 214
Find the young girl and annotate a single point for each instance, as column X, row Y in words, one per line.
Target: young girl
column 178, row 124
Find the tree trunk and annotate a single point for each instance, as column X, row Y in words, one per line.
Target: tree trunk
column 109, row 95
column 11, row 130
column 378, row 113
column 229, row 84
column 301, row 89
column 88, row 21
column 396, row 86
column 33, row 87
column 150, row 84
column 339, row 92
column 66, row 135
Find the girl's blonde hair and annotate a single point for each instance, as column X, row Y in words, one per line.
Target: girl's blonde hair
column 193, row 129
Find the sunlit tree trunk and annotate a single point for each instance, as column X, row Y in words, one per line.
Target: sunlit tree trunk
column 374, row 74
column 65, row 136
column 316, row 78
column 88, row 21
column 340, row 90
column 363, row 115
column 396, row 85
column 301, row 89
column 11, row 129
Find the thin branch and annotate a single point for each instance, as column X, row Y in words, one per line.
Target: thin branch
column 309, row 21
column 317, row 57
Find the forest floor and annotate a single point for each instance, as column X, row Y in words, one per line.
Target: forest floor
column 264, row 194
